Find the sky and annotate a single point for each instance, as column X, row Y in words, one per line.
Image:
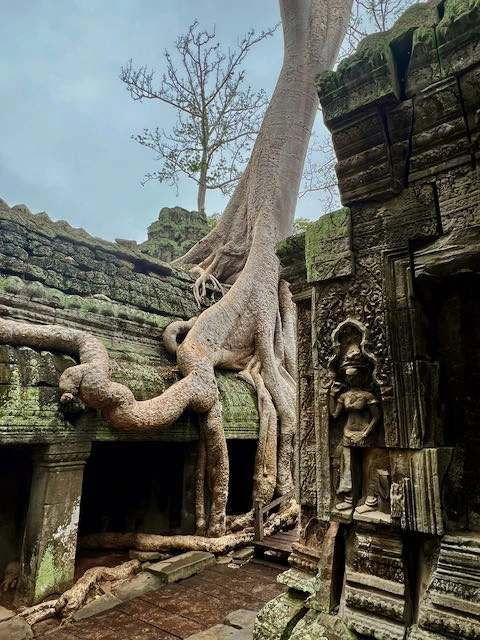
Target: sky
column 66, row 119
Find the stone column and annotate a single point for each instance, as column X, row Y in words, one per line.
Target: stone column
column 50, row 539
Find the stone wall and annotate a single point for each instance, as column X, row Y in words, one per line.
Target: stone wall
column 387, row 292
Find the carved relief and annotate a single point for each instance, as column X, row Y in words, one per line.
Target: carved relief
column 362, row 300
column 360, row 470
column 376, row 597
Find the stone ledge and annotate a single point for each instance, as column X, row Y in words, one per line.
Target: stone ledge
column 6, row 614
column 182, row 566
column 104, row 603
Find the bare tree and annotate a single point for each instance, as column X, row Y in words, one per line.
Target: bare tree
column 371, row 16
column 251, row 328
column 217, row 117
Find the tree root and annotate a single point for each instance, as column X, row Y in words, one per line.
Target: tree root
column 200, row 285
column 152, row 542
column 82, row 590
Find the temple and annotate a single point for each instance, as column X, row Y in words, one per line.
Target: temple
column 387, row 291
column 388, row 300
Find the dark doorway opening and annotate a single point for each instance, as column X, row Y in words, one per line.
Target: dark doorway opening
column 242, row 461
column 16, row 468
column 139, row 487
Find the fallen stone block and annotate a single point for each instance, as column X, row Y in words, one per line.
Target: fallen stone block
column 243, row 555
column 141, row 583
column 104, row 603
column 241, row 618
column 182, row 566
column 16, row 628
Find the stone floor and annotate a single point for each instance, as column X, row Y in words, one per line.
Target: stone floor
column 181, row 609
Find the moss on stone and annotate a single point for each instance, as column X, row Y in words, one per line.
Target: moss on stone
column 239, row 406
column 174, row 233
column 375, row 51
column 46, row 576
column 327, row 246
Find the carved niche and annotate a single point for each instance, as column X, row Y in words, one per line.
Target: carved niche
column 360, row 464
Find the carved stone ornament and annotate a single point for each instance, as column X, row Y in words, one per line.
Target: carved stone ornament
column 361, row 475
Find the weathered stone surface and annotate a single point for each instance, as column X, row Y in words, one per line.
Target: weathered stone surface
column 182, row 566
column 217, row 632
column 389, row 349
column 243, row 555
column 6, row 614
column 451, row 604
column 52, row 521
column 241, row 618
column 241, row 634
column 328, row 247
column 104, row 603
column 174, row 233
column 15, row 629
column 141, row 583
column 279, row 616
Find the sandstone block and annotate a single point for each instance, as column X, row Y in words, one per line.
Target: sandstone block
column 182, row 566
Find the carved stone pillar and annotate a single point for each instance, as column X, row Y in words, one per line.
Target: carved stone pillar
column 376, row 601
column 50, row 539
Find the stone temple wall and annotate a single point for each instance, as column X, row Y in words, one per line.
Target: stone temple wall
column 388, row 299
column 51, row 273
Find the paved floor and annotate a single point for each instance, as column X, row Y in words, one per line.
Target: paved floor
column 182, row 609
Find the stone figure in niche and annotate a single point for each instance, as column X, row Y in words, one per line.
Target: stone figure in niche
column 361, row 473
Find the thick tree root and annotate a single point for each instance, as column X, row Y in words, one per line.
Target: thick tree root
column 152, row 542
column 82, row 590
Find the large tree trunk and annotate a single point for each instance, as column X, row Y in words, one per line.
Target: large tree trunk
column 251, row 328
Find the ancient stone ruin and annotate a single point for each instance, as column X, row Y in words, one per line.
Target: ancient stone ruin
column 388, row 301
column 61, row 465
column 387, row 291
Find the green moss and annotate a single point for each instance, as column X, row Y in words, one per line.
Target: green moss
column 375, row 51
column 291, row 246
column 175, row 231
column 239, row 406
column 46, row 577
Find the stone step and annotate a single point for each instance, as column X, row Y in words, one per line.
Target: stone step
column 182, row 566
column 238, row 625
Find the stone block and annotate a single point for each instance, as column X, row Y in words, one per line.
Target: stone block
column 241, row 618
column 241, row 634
column 15, row 629
column 141, row 583
column 147, row 556
column 328, row 247
column 217, row 632
column 104, row 603
column 243, row 555
column 6, row 614
column 182, row 566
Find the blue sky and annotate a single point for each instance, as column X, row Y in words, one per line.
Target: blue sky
column 66, row 118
